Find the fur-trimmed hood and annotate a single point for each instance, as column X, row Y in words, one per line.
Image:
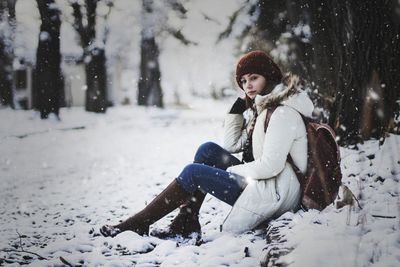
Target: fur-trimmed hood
column 289, row 93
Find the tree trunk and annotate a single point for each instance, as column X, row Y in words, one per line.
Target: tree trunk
column 7, row 20
column 149, row 86
column 48, row 58
column 95, row 65
column 94, row 57
column 96, row 79
column 150, row 93
column 367, row 63
column 322, row 52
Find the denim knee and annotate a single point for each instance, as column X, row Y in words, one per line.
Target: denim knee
column 185, row 178
column 203, row 152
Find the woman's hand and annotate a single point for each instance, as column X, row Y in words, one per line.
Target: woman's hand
column 239, row 106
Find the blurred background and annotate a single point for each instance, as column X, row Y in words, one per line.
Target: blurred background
column 102, row 53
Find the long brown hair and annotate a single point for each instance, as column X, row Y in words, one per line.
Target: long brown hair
column 270, row 85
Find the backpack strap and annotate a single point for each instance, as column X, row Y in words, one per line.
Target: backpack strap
column 268, row 117
column 299, row 174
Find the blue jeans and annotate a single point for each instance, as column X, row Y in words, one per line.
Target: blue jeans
column 208, row 174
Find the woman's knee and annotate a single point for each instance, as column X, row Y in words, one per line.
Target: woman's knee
column 186, row 177
column 189, row 170
column 203, row 152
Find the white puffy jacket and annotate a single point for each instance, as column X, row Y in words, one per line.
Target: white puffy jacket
column 273, row 188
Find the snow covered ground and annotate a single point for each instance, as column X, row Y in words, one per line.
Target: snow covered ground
column 61, row 180
column 351, row 236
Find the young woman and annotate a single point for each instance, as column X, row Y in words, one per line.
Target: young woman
column 259, row 187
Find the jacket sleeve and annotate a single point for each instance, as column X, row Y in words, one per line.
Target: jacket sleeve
column 279, row 138
column 235, row 133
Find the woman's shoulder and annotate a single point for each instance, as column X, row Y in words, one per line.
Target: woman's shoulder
column 286, row 114
column 281, row 110
column 287, row 110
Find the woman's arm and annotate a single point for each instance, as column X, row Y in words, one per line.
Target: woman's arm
column 235, row 130
column 279, row 137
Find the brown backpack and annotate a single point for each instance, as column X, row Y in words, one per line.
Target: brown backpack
column 320, row 183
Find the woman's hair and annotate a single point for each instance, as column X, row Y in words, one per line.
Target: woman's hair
column 249, row 102
column 269, row 86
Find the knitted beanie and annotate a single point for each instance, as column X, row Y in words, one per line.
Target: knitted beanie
column 258, row 62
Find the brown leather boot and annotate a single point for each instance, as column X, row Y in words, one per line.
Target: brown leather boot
column 187, row 220
column 171, row 198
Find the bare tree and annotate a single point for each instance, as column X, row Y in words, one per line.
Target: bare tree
column 153, row 23
column 48, row 73
column 93, row 54
column 149, row 87
column 7, row 28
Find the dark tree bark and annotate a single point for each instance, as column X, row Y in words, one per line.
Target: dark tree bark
column 149, row 86
column 48, row 58
column 7, row 19
column 94, row 57
column 367, row 61
column 322, row 53
column 96, row 79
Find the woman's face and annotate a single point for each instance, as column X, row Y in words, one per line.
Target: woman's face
column 253, row 84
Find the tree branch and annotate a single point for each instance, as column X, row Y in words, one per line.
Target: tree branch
column 23, row 250
column 383, row 216
column 105, row 17
column 178, row 35
column 206, row 17
column 177, row 6
column 78, row 25
column 65, row 261
column 91, row 6
column 232, row 19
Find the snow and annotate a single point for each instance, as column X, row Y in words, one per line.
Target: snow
column 44, row 36
column 62, row 180
column 351, row 236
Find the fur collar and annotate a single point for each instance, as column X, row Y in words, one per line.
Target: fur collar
column 291, row 85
